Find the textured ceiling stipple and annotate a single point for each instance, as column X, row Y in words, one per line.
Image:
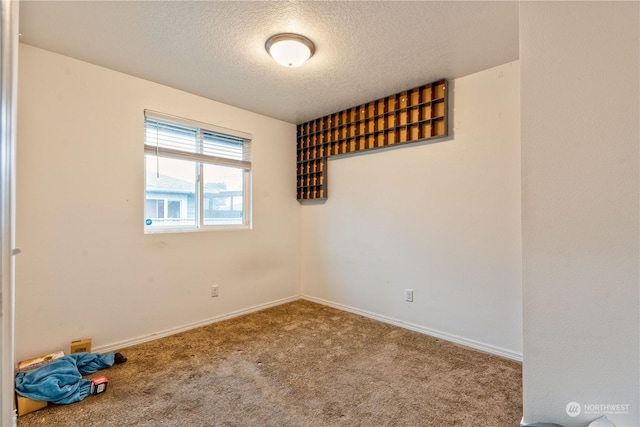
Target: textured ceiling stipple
column 215, row 49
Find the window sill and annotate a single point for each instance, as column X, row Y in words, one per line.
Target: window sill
column 169, row 230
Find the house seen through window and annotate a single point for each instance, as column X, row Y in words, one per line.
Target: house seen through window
column 197, row 176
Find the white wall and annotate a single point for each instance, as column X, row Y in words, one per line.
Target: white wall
column 580, row 136
column 442, row 219
column 87, row 269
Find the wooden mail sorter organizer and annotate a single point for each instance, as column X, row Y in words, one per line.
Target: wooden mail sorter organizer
column 410, row 116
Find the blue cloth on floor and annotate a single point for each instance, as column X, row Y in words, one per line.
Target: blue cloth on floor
column 88, row 363
column 61, row 381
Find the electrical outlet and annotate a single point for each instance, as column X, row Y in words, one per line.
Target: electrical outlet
column 214, row 291
column 408, row 295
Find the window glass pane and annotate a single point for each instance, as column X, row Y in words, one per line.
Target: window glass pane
column 171, row 195
column 223, row 201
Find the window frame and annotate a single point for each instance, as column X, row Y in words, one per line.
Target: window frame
column 199, row 159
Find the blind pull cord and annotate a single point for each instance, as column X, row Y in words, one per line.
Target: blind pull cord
column 157, row 156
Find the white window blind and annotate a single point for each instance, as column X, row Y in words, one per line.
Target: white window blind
column 190, row 140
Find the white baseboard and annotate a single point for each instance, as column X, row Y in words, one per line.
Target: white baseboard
column 427, row 331
column 154, row 336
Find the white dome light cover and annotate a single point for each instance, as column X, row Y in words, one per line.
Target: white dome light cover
column 289, row 49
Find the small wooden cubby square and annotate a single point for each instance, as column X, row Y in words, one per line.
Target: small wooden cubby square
column 409, row 116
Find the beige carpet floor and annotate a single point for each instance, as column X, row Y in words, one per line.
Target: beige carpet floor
column 299, row 364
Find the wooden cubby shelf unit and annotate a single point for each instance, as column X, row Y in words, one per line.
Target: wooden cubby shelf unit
column 409, row 116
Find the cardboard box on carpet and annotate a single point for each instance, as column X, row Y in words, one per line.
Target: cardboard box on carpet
column 26, row 405
column 81, row 346
column 36, row 362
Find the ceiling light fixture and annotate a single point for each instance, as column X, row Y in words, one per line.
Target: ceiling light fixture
column 290, row 49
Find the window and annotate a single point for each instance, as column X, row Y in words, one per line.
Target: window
column 197, row 176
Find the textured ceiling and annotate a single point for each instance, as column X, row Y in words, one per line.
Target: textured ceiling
column 215, row 49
